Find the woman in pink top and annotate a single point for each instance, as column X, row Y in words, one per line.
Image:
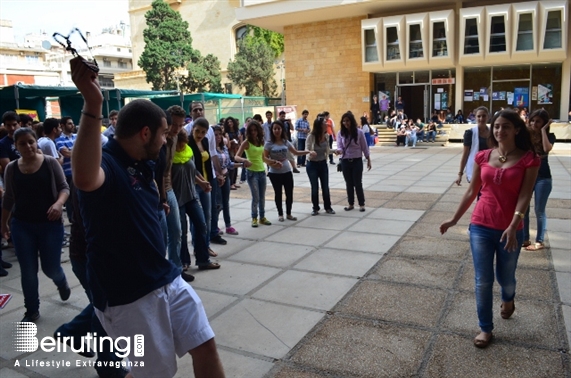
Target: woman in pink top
column 505, row 176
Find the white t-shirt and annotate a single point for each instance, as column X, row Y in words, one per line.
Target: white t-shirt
column 48, row 147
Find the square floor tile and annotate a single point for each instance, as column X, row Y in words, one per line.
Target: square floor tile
column 328, row 222
column 359, row 241
column 381, row 226
column 348, row 263
column 263, row 328
column 301, row 235
column 279, row 255
column 313, row 290
column 396, row 214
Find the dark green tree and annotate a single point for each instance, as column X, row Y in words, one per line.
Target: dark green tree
column 253, row 67
column 168, row 46
column 203, row 75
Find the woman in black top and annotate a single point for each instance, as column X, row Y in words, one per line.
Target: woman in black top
column 35, row 193
column 543, row 140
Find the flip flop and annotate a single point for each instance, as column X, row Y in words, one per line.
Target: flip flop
column 535, row 247
column 526, row 244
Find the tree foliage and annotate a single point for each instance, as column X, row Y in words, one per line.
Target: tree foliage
column 253, row 67
column 168, row 49
column 271, row 38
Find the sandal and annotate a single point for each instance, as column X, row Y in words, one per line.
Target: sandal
column 212, row 253
column 349, row 208
column 505, row 314
column 483, row 342
column 185, row 267
column 281, row 218
column 209, row 266
column 291, row 217
column 535, row 247
column 526, row 244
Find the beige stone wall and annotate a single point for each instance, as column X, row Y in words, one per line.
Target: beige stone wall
column 324, row 71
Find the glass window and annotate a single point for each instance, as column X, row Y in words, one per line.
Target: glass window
column 498, row 34
column 106, row 63
column 422, row 77
column 547, row 79
column 471, row 45
column 371, row 46
column 241, row 34
column 479, row 80
column 393, row 51
column 511, row 72
column 439, row 47
column 122, row 65
column 406, row 77
column 553, row 30
column 525, row 33
column 415, row 46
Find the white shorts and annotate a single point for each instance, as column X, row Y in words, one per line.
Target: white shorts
column 171, row 319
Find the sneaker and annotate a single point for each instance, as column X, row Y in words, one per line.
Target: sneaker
column 231, row 231
column 265, row 221
column 315, row 212
column 254, row 222
column 64, row 292
column 187, row 277
column 3, row 272
column 218, row 240
column 330, row 211
column 295, row 170
column 5, row 265
column 31, row 317
column 220, row 232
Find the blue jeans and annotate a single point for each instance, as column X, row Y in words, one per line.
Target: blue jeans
column 205, row 200
column 173, row 230
column 318, row 171
column 87, row 321
column 485, row 244
column 29, row 239
column 257, row 184
column 432, row 135
column 411, row 138
column 215, row 207
column 541, row 190
column 225, row 201
column 301, row 147
column 199, row 237
column 353, row 175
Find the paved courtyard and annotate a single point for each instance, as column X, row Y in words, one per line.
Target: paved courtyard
column 373, row 294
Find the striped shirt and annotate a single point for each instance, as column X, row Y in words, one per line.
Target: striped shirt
column 66, row 141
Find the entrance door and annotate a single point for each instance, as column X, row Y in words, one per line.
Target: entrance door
column 413, row 97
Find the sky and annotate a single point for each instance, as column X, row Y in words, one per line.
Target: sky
column 32, row 16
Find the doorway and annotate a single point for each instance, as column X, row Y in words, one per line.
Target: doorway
column 414, row 98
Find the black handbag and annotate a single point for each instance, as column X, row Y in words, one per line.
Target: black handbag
column 339, row 167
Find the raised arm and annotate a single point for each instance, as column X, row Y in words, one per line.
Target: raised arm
column 86, row 153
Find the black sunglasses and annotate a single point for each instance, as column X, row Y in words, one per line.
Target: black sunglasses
column 65, row 42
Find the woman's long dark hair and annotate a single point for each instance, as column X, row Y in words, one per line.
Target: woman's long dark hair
column 282, row 134
column 219, row 129
column 317, row 129
column 536, row 137
column 522, row 138
column 259, row 141
column 227, row 128
column 351, row 133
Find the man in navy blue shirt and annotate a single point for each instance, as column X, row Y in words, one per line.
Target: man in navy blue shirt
column 8, row 151
column 136, row 292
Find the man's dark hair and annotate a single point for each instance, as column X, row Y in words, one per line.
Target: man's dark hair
column 25, row 119
column 176, row 111
column 269, row 112
column 325, row 113
column 305, row 111
column 50, row 124
column 137, row 114
column 10, row 116
column 113, row 113
column 63, row 120
column 282, row 113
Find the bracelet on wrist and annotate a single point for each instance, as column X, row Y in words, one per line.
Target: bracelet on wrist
column 461, row 173
column 91, row 115
column 520, row 214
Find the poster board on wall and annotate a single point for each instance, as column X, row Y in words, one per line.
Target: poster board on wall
column 29, row 112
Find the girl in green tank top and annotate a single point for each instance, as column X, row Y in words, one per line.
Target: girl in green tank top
column 253, row 146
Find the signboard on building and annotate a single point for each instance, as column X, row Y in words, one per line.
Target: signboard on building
column 443, row 81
